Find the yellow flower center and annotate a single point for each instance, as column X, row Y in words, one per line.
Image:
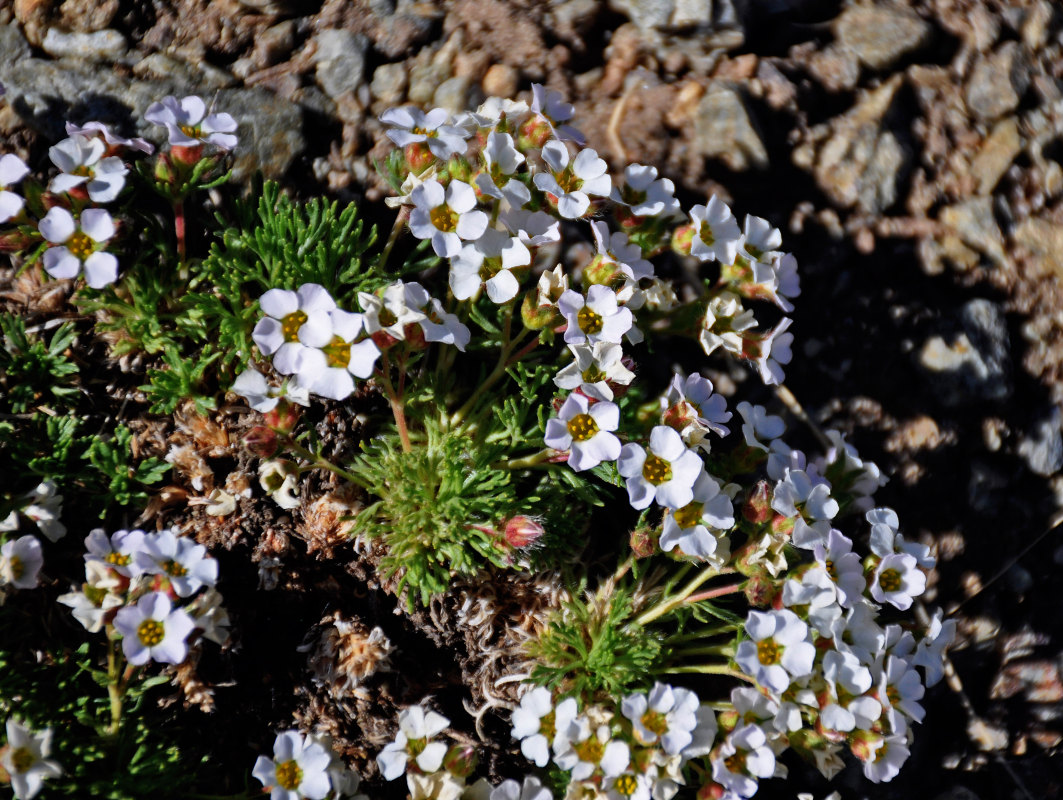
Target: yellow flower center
column 548, row 726
column 174, row 570
column 337, row 353
column 191, row 131
column 80, row 246
column 593, row 374
column 590, row 321
column 150, row 632
column 386, row 317
column 22, row 759
column 290, row 325
column 705, row 234
column 737, row 763
column 768, row 652
column 656, row 722
column 444, row 218
column 656, row 470
column 689, row 515
column 831, row 570
column 590, row 750
column 117, row 559
column 18, row 569
column 289, row 775
column 582, row 427
column 626, row 785
column 890, row 580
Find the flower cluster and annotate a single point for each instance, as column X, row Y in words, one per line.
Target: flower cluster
column 152, row 590
column 305, row 768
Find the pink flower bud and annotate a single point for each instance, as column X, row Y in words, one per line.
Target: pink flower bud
column 522, row 531
column 758, row 506
column 261, row 441
column 461, row 760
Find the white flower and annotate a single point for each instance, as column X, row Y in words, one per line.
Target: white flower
column 666, row 714
column 778, row 649
column 185, row 563
column 412, row 125
column 439, row 326
column 188, row 124
column 691, row 407
column 570, row 184
column 210, row 616
column 666, row 473
column 759, row 239
column 277, row 477
column 76, row 245
column 298, row 769
column 98, row 596
column 253, row 387
column 616, row 248
column 26, row 759
column 885, row 539
column 848, row 680
column 644, row 194
column 531, row 789
column 587, row 749
column 716, row 233
column 446, row 216
column 806, row 497
column 842, row 565
column 773, row 351
column 628, row 786
column 742, row 758
column 20, row 562
column 399, row 306
column 416, row 728
column 536, row 723
column 697, row 528
column 585, row 429
column 12, row 170
column 725, row 320
column 817, row 593
column 593, row 368
column 758, row 424
column 886, row 759
column 551, row 106
column 488, row 262
column 112, row 139
column 861, row 477
column 787, row 281
column 119, row 551
column 594, row 318
column 329, row 371
column 295, row 321
column 897, row 580
column 153, row 629
column 44, row 507
column 534, row 228
column 502, row 160
column 930, row 654
column 80, row 161
column 900, row 689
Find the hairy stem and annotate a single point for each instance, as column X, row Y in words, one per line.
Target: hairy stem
column 179, row 232
column 673, row 602
column 720, row 591
column 393, row 237
column 398, row 409
column 115, row 687
column 707, row 669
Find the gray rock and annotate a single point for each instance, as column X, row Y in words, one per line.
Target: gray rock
column 340, row 58
column 973, row 220
column 880, row 35
column 275, row 43
column 976, row 365
column 425, row 78
column 984, row 323
column 160, row 66
column 456, row 95
column 997, row 82
column 647, row 14
column 13, row 47
column 105, row 45
column 724, row 130
column 1044, row 239
column 1041, row 446
column 860, row 162
column 389, row 83
column 47, row 93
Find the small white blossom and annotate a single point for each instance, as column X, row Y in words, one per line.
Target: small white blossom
column 716, row 233
column 758, row 424
column 551, row 106
column 725, row 320
column 586, row 431
column 743, row 757
column 411, row 125
column 759, row 239
column 99, row 595
column 277, row 478
column 806, row 497
column 644, row 193
column 399, row 306
column 21, row 560
column 188, row 124
column 445, row 328
column 666, row 473
column 184, row 563
column 12, row 170
column 80, row 161
column 329, row 371
column 778, row 650
column 594, row 318
column 691, row 407
column 536, row 723
column 534, row 228
column 489, row 262
column 667, row 715
column 298, row 769
column 446, row 216
column 897, row 580
column 616, row 248
column 887, row 757
column 531, row 789
column 118, row 551
column 593, row 368
column 588, row 749
column 26, row 759
column 930, row 654
column 773, row 351
column 571, row 184
column 413, row 740
column 697, row 528
column 261, row 396
column 113, row 140
column 295, row 321
column 154, row 630
column 76, row 245
column 502, row 160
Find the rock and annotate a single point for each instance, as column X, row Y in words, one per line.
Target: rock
column 275, row 43
column 1041, row 446
column 1035, row 27
column 47, row 93
column 975, row 224
column 455, row 95
column 996, row 154
column 837, row 68
column 976, row 366
column 425, row 78
column 860, row 163
column 501, row 80
column 105, row 45
column 13, row 48
column 1038, row 680
column 86, row 16
column 340, row 58
column 985, row 736
column 997, row 82
column 647, row 14
column 880, row 35
column 389, row 84
column 984, row 324
column 167, row 68
column 1044, row 239
column 724, row 130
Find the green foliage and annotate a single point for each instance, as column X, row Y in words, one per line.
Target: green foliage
column 123, row 481
column 184, row 378
column 32, row 371
column 591, row 646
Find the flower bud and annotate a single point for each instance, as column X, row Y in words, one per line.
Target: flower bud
column 536, row 317
column 261, row 441
column 599, row 271
column 283, row 417
column 534, row 133
column 187, row 156
column 758, row 505
column 865, row 744
column 418, row 157
column 711, row 791
column 461, row 760
column 728, row 721
column 760, row 590
column 522, row 531
column 782, row 526
column 644, row 542
column 164, row 171
column 682, row 238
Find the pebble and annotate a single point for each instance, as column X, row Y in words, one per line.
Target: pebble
column 1038, row 680
column 987, row 737
column 1044, row 239
column 1041, row 445
column 455, row 94
column 105, row 45
column 275, row 43
column 997, row 82
column 13, row 48
column 389, row 84
column 500, row 81
column 723, row 129
column 340, row 59
column 995, row 155
column 879, row 36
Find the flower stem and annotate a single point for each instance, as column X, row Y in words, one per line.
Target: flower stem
column 677, row 600
column 319, row 462
column 179, row 232
column 393, row 237
column 720, row 591
column 398, row 410
column 533, row 460
column 115, row 687
column 707, row 669
column 708, row 650
column 705, row 633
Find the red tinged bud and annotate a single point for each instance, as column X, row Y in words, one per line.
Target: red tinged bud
column 461, row 760
column 644, row 542
column 283, row 417
column 418, row 157
column 711, row 791
column 758, row 506
column 760, row 590
column 522, row 531
column 187, row 156
column 261, row 441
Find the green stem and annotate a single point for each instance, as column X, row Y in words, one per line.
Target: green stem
column 320, row 462
column 707, row 669
column 393, row 237
column 179, row 232
column 398, row 410
column 115, row 687
column 528, row 461
column 708, row 650
column 675, row 601
column 704, row 633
